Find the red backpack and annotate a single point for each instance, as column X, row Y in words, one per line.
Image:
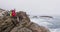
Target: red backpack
column 13, row 13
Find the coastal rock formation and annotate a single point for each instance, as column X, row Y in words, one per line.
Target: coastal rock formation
column 20, row 23
column 26, row 25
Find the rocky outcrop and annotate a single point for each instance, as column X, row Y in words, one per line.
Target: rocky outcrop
column 47, row 16
column 20, row 23
column 5, row 25
column 3, row 13
column 26, row 25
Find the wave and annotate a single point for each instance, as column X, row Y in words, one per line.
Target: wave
column 52, row 24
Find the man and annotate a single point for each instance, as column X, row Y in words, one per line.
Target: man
column 13, row 13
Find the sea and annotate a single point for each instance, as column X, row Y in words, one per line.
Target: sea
column 53, row 24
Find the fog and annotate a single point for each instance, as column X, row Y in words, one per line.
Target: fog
column 33, row 7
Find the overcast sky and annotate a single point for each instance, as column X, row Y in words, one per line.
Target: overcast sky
column 33, row 7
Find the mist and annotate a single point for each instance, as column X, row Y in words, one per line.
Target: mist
column 33, row 7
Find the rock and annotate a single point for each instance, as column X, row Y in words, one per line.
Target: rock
column 35, row 17
column 6, row 26
column 47, row 16
column 24, row 29
column 26, row 24
column 20, row 23
column 37, row 28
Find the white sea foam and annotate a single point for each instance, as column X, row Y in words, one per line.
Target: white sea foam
column 52, row 24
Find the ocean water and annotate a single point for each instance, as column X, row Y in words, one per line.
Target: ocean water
column 53, row 24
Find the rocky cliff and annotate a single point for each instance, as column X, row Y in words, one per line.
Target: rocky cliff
column 20, row 23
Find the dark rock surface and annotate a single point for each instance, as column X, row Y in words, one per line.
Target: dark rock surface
column 47, row 16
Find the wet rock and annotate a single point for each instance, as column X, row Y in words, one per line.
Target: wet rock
column 47, row 16
column 35, row 17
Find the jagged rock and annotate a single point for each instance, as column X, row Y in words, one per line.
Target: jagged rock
column 9, row 24
column 6, row 26
column 3, row 13
column 26, row 24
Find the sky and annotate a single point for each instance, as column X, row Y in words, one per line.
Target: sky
column 33, row 7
